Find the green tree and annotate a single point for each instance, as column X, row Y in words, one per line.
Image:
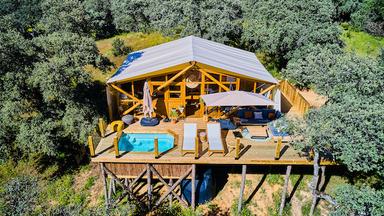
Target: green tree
column 215, row 20
column 279, row 28
column 358, row 201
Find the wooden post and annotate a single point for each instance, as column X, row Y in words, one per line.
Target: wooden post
column 284, row 193
column 254, row 87
column 149, row 189
column 193, row 197
column 156, row 149
column 170, row 195
column 196, row 148
column 278, row 148
column 91, row 146
column 237, row 84
column 104, row 178
column 243, row 173
column 237, row 148
column 101, row 127
column 116, row 146
column 110, row 189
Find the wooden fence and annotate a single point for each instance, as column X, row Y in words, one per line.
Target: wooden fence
column 299, row 103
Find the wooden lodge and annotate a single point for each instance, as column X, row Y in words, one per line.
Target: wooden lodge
column 178, row 73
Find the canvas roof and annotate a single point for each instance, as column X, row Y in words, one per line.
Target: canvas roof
column 190, row 49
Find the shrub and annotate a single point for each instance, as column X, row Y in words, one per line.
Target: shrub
column 19, row 196
column 119, row 48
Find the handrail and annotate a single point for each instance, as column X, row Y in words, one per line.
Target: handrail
column 294, row 97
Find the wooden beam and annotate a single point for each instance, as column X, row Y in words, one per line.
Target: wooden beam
column 173, row 186
column 168, row 82
column 125, row 93
column 213, row 79
column 268, row 89
column 193, row 188
column 285, row 188
column 131, row 109
column 243, row 173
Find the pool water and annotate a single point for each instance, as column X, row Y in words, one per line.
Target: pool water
column 144, row 142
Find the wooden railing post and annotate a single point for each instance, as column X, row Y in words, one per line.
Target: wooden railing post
column 237, row 148
column 102, row 127
column 91, row 146
column 156, row 147
column 278, row 148
column 116, row 146
column 196, row 147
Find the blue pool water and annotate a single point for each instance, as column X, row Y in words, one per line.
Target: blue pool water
column 144, row 142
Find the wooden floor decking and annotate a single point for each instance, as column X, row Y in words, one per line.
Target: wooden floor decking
column 256, row 153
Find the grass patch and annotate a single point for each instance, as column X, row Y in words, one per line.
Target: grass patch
column 306, row 208
column 361, row 43
column 274, row 209
column 244, row 210
column 135, row 41
column 273, row 179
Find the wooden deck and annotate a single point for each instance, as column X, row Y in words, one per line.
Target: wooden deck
column 252, row 153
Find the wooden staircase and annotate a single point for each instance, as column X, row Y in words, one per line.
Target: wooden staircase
column 299, row 104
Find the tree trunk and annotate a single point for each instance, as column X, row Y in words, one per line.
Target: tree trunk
column 315, row 181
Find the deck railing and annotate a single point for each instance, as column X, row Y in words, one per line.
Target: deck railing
column 299, row 103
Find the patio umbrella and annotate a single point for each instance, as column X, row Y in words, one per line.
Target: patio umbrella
column 147, row 101
column 236, row 98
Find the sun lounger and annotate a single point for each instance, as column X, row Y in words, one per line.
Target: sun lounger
column 189, row 139
column 215, row 141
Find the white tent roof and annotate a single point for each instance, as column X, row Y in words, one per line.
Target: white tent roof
column 236, row 98
column 192, row 49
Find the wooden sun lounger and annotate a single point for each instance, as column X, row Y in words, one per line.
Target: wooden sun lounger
column 215, row 141
column 189, row 138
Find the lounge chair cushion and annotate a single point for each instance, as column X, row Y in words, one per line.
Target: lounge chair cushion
column 149, row 121
column 227, row 124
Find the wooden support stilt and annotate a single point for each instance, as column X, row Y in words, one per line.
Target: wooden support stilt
column 285, row 188
column 170, row 195
column 149, row 184
column 104, row 177
column 243, row 173
column 193, row 196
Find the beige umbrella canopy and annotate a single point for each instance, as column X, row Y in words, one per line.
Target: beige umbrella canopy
column 236, row 98
column 147, row 101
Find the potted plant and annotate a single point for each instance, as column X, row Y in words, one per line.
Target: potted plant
column 174, row 115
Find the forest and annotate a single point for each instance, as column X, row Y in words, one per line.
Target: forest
column 50, row 101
